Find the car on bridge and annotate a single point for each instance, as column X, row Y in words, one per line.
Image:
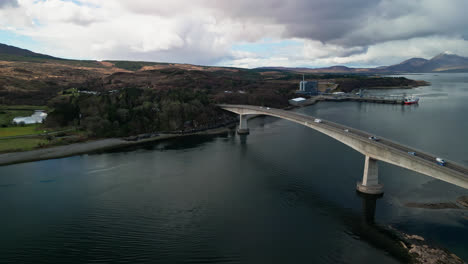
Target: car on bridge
column 317, row 120
column 374, row 138
column 346, row 130
column 441, row 162
column 412, row 153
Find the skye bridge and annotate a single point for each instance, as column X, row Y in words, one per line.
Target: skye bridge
column 373, row 148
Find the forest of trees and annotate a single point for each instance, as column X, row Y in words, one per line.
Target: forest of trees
column 134, row 111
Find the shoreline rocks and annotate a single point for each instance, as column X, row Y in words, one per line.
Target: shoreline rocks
column 460, row 203
column 421, row 252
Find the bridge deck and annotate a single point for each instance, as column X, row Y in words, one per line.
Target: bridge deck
column 460, row 171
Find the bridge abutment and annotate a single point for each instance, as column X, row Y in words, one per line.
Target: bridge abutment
column 243, row 128
column 370, row 180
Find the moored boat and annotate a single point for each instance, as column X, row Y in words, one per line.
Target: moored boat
column 411, row 100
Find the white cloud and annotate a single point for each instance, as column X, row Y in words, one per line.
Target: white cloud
column 361, row 32
column 8, row 3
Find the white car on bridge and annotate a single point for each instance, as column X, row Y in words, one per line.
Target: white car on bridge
column 440, row 161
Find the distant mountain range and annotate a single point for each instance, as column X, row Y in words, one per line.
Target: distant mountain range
column 444, row 62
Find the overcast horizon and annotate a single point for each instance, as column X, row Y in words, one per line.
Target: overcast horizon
column 300, row 33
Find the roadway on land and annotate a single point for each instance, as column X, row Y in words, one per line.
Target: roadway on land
column 430, row 159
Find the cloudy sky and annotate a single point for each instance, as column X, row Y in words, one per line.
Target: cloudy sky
column 241, row 33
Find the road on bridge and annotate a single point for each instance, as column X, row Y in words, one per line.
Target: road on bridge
column 301, row 118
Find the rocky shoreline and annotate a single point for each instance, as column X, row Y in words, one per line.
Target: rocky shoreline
column 421, row 252
column 461, row 203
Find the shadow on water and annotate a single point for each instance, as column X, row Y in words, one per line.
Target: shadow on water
column 361, row 226
column 376, row 235
column 179, row 143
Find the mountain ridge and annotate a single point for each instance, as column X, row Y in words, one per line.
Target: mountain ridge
column 443, row 62
column 8, row 50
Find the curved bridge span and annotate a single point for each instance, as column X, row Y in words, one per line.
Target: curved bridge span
column 383, row 149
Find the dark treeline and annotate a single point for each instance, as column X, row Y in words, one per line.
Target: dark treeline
column 117, row 104
column 349, row 84
column 134, row 111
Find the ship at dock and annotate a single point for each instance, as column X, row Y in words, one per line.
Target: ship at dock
column 410, row 100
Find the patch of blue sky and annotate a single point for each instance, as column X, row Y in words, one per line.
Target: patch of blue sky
column 78, row 2
column 81, row 3
column 17, row 40
column 74, row 1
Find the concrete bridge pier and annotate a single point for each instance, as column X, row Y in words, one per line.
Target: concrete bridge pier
column 243, row 128
column 370, row 180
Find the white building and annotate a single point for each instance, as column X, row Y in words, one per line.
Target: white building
column 38, row 117
column 297, row 101
column 338, row 93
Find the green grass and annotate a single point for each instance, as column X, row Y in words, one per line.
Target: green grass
column 134, row 65
column 24, row 107
column 6, row 116
column 20, row 144
column 8, row 112
column 20, row 130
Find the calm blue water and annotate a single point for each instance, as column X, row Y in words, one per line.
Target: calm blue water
column 283, row 194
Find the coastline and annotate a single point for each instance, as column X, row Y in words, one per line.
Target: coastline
column 416, row 247
column 115, row 143
column 92, row 146
column 461, row 204
column 421, row 251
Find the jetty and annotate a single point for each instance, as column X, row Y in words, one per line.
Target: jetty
column 350, row 97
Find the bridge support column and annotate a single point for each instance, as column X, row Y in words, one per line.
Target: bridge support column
column 370, row 180
column 243, row 128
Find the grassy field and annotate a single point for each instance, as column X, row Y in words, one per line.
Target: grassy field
column 8, row 112
column 6, row 116
column 20, row 131
column 134, row 65
column 24, row 107
column 20, row 144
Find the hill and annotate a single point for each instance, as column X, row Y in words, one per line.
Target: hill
column 8, row 52
column 121, row 98
column 406, row 66
column 444, row 62
column 29, row 78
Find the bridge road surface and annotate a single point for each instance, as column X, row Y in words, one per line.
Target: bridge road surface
column 362, row 135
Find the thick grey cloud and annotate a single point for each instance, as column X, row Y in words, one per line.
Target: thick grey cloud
column 8, row 3
column 355, row 23
column 350, row 24
column 322, row 20
column 321, row 32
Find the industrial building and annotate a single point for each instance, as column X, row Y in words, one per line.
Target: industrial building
column 308, row 87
